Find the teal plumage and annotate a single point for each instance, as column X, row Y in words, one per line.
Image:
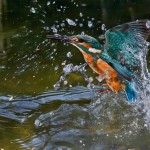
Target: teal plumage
column 130, row 92
column 125, row 42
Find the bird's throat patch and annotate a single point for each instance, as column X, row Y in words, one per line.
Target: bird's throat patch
column 95, row 51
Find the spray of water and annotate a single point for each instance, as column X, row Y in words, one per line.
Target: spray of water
column 100, row 102
column 69, row 68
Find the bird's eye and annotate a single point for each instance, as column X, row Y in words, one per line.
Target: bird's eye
column 80, row 40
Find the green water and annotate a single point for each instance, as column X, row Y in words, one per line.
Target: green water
column 32, row 113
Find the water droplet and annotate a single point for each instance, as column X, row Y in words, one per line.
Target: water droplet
column 101, row 37
column 37, row 123
column 33, row 10
column 2, row 67
column 58, row 9
column 65, row 82
column 54, row 29
column 56, row 68
column 48, row 3
column 71, row 22
column 63, row 63
column 67, row 69
column 145, row 125
column 51, row 57
column 148, row 24
column 83, row 5
column 57, row 26
column 82, row 122
column 80, row 25
column 90, row 24
column 56, row 86
column 53, row 44
column 81, row 15
column 42, row 21
column 46, row 28
column 90, row 79
column 103, row 27
column 100, row 79
column 148, row 44
column 62, row 24
column 82, row 33
column 51, row 113
column 130, row 132
column 69, row 55
column 11, row 98
column 80, row 141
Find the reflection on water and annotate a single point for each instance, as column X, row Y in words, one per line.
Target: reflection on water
column 3, row 11
column 16, row 107
column 87, row 126
column 32, row 113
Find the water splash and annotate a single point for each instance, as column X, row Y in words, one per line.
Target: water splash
column 140, row 107
column 145, row 99
column 71, row 68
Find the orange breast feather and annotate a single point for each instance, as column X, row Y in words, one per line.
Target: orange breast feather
column 111, row 76
column 104, row 70
column 90, row 61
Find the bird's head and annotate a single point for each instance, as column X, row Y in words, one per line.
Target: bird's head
column 84, row 43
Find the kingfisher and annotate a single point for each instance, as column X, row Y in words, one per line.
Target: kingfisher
column 116, row 60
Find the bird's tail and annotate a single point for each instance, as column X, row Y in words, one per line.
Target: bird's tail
column 130, row 91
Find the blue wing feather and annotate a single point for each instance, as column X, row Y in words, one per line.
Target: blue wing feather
column 125, row 42
column 130, row 92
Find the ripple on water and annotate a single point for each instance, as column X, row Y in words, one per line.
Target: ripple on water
column 76, row 127
column 19, row 108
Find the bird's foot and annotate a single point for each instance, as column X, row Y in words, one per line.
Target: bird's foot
column 105, row 84
column 105, row 88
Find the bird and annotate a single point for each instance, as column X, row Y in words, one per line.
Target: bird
column 116, row 60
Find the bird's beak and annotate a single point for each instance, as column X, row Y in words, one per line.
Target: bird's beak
column 62, row 38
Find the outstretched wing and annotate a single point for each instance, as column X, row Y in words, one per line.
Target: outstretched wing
column 126, row 42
